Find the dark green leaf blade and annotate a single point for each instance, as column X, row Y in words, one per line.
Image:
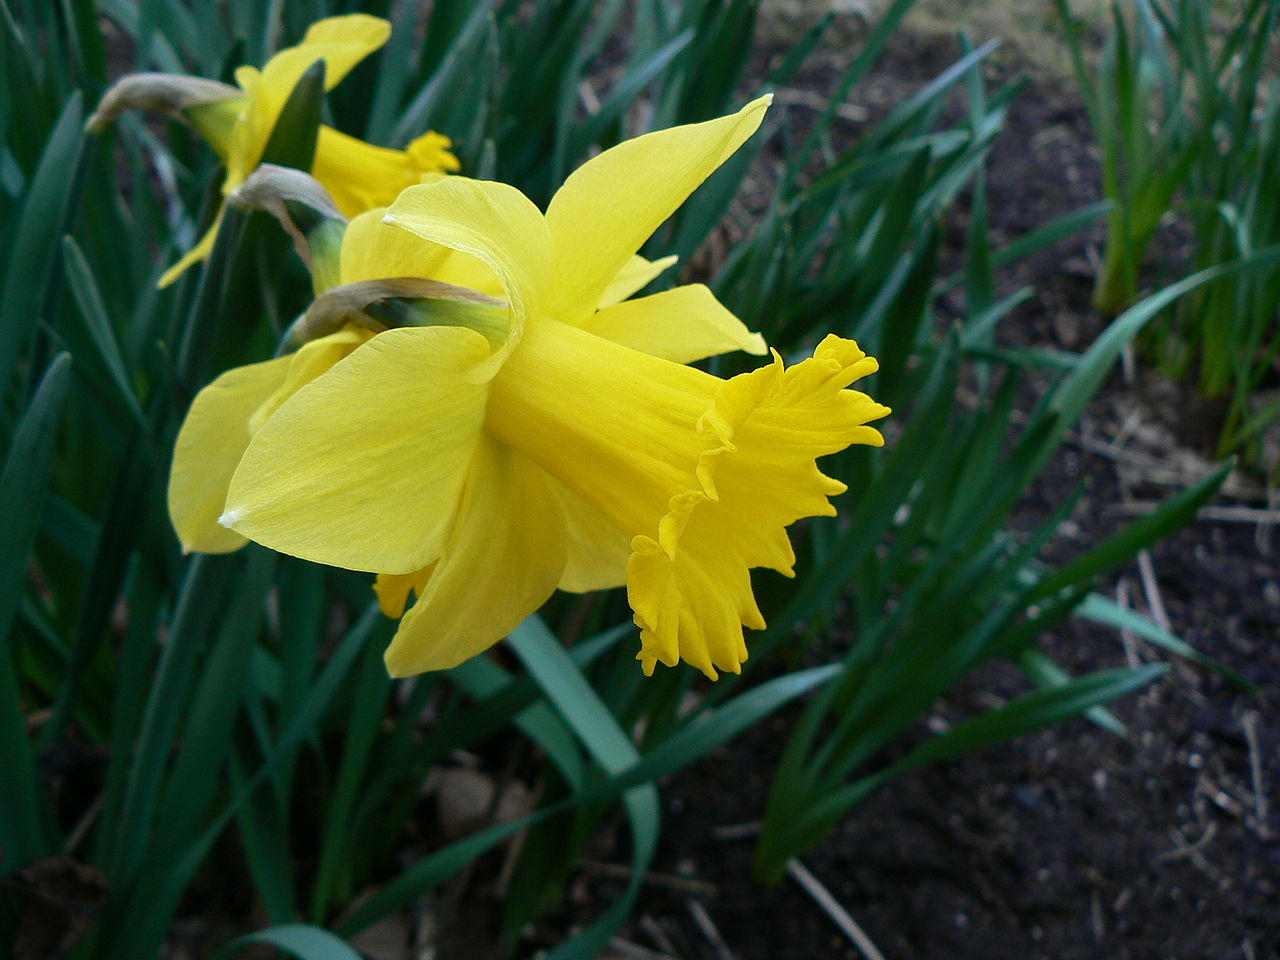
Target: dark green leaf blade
column 24, row 828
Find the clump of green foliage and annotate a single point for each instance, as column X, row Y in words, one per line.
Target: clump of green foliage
column 1185, row 108
column 157, row 708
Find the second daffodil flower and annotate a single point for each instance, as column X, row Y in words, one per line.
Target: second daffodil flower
column 238, row 122
column 480, row 467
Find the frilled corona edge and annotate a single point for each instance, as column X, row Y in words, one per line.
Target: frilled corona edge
column 557, row 438
column 690, row 587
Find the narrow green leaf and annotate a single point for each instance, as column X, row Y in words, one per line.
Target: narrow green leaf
column 265, row 831
column 368, row 705
column 593, row 722
column 716, row 726
column 1106, row 611
column 195, row 338
column 624, row 93
column 115, row 544
column 979, row 329
column 406, row 51
column 24, row 481
column 208, row 724
column 1172, row 515
column 25, row 826
column 302, row 940
column 87, row 38
column 33, row 244
column 84, row 288
column 483, row 678
column 418, row 114
column 1029, row 712
column 872, row 47
column 564, row 685
column 979, row 276
column 194, row 619
column 1074, row 392
column 133, row 674
column 800, row 52
column 293, row 138
column 1032, row 711
column 1043, row 672
column 712, row 729
column 151, row 910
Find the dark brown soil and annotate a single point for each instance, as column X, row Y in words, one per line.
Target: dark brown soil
column 1074, row 842
column 1071, row 843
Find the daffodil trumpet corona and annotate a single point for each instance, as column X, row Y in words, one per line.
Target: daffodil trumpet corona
column 522, row 423
column 238, row 122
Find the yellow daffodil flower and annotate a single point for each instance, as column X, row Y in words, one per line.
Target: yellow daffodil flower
column 238, row 121
column 481, row 466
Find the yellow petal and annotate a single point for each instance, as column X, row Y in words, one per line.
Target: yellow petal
column 597, row 552
column 253, row 127
column 363, row 466
column 610, row 205
column 692, row 611
column 216, row 122
column 314, row 358
column 495, row 223
column 341, row 42
column 197, row 254
column 502, row 560
column 703, row 475
column 431, row 152
column 222, row 420
column 683, row 324
column 393, row 589
column 375, row 250
column 636, row 274
column 689, row 586
column 212, row 440
column 360, row 176
column 614, row 425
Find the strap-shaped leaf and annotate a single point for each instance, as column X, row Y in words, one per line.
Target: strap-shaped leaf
column 1173, row 514
column 293, row 139
column 1106, row 611
column 709, row 731
column 299, row 939
column 596, row 726
column 106, row 351
column 25, row 826
column 34, row 241
column 1030, row 712
column 158, row 896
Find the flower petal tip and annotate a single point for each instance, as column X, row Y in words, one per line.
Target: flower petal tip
column 396, row 668
column 229, row 519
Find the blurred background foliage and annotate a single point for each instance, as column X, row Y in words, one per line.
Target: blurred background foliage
column 197, row 735
column 1184, row 105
